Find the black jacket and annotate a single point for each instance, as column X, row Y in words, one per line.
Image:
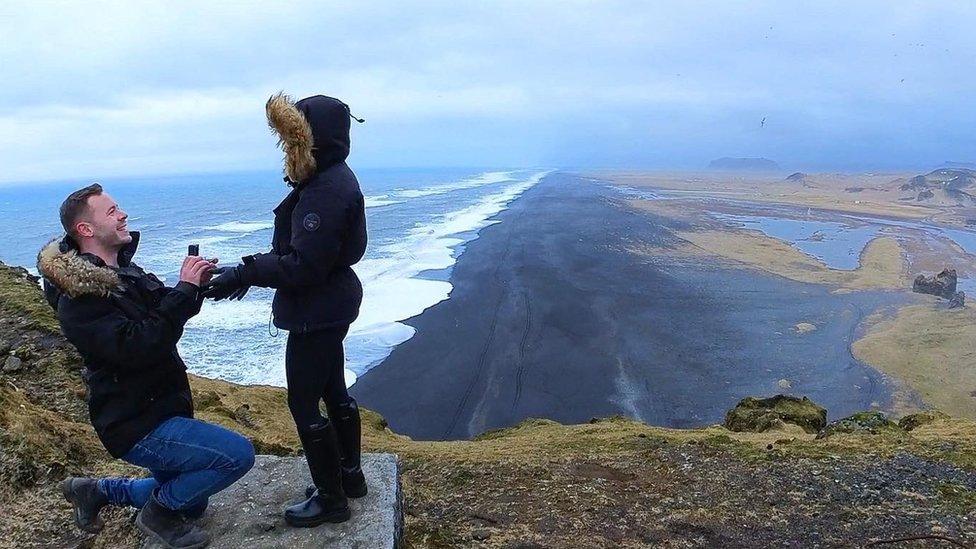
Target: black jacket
column 319, row 229
column 125, row 324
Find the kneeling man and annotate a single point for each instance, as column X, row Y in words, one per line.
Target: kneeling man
column 126, row 323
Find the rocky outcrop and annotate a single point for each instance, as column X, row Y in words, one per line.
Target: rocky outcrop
column 914, row 421
column 957, row 300
column 249, row 513
column 758, row 415
column 950, row 186
column 861, row 422
column 797, row 176
column 942, row 284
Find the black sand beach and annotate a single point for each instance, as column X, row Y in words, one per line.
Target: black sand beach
column 552, row 316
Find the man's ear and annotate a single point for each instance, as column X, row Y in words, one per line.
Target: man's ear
column 83, row 228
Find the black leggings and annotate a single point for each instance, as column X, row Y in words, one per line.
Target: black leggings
column 315, row 370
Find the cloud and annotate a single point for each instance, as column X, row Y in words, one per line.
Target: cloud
column 178, row 86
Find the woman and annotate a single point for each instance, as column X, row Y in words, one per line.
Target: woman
column 319, row 233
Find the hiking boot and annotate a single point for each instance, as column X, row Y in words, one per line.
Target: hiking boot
column 170, row 528
column 328, row 503
column 87, row 499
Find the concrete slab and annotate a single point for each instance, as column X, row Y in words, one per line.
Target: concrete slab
column 248, row 515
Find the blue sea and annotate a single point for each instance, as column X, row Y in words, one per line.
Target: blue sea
column 418, row 223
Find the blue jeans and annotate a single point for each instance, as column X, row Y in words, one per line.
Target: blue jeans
column 190, row 460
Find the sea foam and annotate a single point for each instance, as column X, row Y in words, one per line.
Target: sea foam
column 487, row 178
column 380, row 200
column 225, row 339
column 242, row 226
column 391, row 287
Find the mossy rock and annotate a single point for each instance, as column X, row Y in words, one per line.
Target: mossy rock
column 25, row 352
column 914, row 421
column 861, row 422
column 206, row 400
column 757, row 415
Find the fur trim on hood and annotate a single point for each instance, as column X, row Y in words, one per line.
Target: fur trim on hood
column 73, row 274
column 294, row 136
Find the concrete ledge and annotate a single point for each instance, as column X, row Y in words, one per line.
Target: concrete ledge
column 248, row 515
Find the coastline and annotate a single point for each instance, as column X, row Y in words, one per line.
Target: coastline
column 554, row 316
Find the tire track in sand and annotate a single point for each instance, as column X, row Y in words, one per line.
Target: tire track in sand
column 483, row 355
column 521, row 350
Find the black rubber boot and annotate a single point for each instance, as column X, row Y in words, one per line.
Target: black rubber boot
column 345, row 417
column 87, row 499
column 170, row 528
column 328, row 503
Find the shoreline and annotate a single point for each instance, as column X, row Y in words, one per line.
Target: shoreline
column 554, row 316
column 923, row 348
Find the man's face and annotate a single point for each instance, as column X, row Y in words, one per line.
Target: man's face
column 105, row 222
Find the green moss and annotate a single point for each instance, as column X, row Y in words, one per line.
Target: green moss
column 914, row 421
column 527, row 424
column 460, row 478
column 272, row 448
column 719, row 440
column 957, row 497
column 757, row 415
column 25, row 352
column 21, row 297
column 206, row 400
column 862, row 422
column 372, row 421
column 420, row 534
column 964, row 457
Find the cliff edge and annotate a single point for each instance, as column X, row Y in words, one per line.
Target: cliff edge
column 612, row 482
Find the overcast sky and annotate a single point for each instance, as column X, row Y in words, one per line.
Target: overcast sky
column 95, row 89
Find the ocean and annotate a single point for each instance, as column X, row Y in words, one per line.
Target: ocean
column 418, row 221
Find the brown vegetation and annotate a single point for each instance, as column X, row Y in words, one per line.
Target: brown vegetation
column 610, row 483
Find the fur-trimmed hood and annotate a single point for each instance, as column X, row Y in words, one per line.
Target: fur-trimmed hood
column 313, row 133
column 67, row 271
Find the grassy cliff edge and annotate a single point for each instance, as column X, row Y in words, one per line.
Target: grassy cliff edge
column 612, row 482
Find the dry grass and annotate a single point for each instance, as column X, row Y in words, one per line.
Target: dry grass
column 610, row 483
column 881, row 264
column 19, row 298
column 878, row 195
column 931, row 349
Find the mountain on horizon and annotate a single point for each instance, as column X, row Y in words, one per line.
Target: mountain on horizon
column 944, row 186
column 744, row 164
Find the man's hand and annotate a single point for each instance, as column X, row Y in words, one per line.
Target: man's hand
column 227, row 285
column 205, row 279
column 194, row 269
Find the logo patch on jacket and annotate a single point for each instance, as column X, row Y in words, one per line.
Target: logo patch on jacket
column 311, row 221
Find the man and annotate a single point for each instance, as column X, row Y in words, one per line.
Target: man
column 319, row 234
column 125, row 324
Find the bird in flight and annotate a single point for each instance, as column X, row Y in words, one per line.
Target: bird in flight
column 762, row 123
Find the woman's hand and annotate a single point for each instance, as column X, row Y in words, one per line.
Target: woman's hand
column 227, row 285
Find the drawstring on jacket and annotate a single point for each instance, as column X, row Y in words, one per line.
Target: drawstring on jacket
column 351, row 115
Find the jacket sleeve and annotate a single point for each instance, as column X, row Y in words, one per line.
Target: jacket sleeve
column 187, row 288
column 102, row 331
column 319, row 224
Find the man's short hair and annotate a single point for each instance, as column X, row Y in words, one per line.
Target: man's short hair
column 75, row 205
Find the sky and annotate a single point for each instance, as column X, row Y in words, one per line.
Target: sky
column 106, row 89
